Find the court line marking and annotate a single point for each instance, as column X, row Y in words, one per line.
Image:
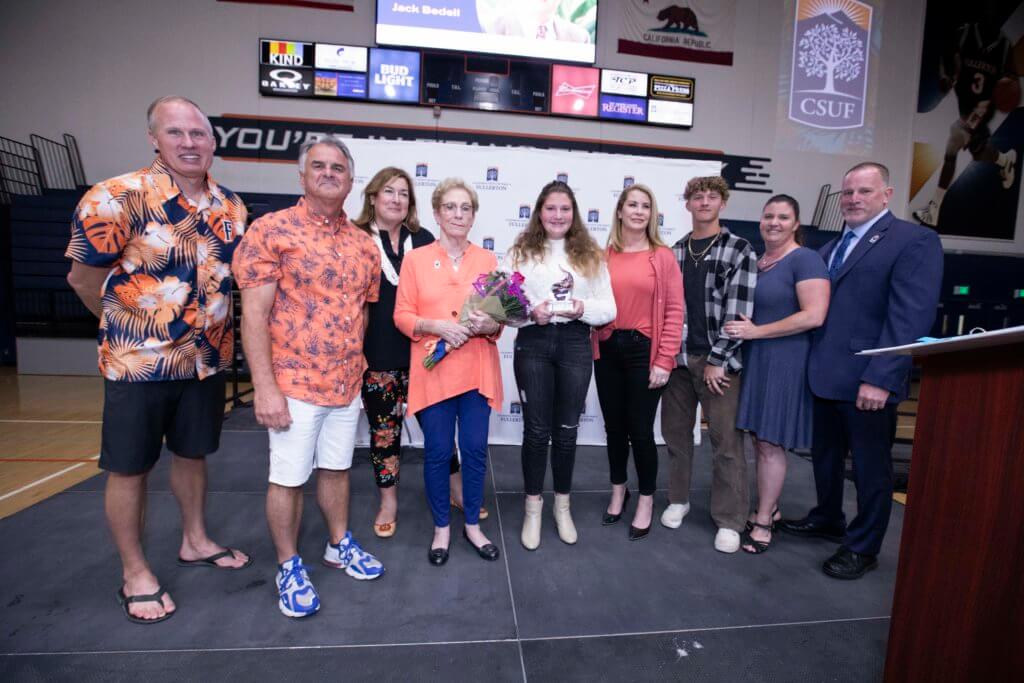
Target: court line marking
column 538, row 639
column 508, row 571
column 15, row 458
column 47, row 478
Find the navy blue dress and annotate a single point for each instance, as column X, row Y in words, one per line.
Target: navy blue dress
column 775, row 401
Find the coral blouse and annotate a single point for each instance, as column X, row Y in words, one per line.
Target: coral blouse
column 428, row 287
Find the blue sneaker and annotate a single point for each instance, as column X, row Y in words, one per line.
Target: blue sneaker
column 298, row 597
column 351, row 557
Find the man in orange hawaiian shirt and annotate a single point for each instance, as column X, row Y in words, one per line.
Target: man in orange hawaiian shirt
column 151, row 253
column 306, row 276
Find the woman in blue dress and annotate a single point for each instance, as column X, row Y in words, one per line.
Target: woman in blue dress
column 791, row 299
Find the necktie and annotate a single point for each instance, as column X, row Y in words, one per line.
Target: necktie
column 839, row 255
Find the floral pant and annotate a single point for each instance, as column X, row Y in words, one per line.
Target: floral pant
column 384, row 395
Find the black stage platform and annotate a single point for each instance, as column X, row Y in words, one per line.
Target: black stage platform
column 668, row 607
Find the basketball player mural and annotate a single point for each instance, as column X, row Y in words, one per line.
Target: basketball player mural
column 979, row 68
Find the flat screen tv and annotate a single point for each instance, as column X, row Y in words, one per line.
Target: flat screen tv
column 556, row 30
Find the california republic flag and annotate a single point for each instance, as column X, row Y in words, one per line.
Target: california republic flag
column 697, row 31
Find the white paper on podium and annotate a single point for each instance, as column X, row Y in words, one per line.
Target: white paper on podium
column 964, row 342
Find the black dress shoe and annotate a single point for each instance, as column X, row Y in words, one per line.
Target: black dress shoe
column 438, row 556
column 846, row 564
column 610, row 519
column 636, row 533
column 488, row 551
column 810, row 529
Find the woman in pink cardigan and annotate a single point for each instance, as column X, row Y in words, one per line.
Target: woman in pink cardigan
column 463, row 389
column 637, row 350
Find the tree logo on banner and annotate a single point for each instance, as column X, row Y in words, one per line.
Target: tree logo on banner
column 830, row 66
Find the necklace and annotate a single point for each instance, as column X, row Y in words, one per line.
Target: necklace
column 764, row 263
column 697, row 257
column 456, row 260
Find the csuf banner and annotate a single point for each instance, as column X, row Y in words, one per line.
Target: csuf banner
column 829, row 76
column 507, row 181
column 700, row 31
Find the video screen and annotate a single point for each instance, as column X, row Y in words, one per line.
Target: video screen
column 559, row 30
column 490, row 83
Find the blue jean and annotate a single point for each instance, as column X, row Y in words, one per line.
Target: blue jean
column 472, row 414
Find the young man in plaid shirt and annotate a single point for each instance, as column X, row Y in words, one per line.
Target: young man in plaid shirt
column 719, row 274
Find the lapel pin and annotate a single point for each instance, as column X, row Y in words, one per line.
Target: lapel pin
column 874, row 239
column 437, row 265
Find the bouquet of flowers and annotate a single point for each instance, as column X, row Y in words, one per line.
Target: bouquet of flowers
column 498, row 294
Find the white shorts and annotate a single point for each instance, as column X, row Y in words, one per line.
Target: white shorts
column 319, row 436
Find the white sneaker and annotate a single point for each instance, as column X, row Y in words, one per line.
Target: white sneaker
column 727, row 541
column 929, row 215
column 1007, row 170
column 673, row 515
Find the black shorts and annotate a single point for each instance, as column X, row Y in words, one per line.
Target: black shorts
column 137, row 416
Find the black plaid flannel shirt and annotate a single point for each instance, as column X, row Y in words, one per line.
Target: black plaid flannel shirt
column 728, row 292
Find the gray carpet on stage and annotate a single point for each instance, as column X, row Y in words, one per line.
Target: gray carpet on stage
column 667, row 607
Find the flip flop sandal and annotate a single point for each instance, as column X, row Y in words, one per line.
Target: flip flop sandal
column 385, row 530
column 125, row 601
column 211, row 561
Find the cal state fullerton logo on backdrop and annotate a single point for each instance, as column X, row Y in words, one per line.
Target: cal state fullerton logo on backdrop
column 492, row 174
column 829, row 78
column 562, row 178
column 524, row 211
column 593, row 216
column 627, row 181
column 421, row 170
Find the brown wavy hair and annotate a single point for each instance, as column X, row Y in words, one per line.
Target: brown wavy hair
column 653, row 234
column 583, row 251
column 373, row 188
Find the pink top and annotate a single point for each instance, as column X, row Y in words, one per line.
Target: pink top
column 632, row 275
column 428, row 287
column 665, row 305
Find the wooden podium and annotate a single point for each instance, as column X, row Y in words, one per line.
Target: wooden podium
column 958, row 610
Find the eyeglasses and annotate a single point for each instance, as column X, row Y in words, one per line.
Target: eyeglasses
column 452, row 207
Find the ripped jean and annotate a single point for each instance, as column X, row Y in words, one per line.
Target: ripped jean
column 553, row 367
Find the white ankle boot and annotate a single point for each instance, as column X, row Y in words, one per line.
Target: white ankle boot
column 563, row 519
column 531, row 524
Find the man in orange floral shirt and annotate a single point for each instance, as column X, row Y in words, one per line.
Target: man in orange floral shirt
column 306, row 276
column 151, row 253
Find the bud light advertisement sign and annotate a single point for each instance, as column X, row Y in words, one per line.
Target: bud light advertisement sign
column 394, row 75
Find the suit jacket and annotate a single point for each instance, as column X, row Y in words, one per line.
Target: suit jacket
column 885, row 294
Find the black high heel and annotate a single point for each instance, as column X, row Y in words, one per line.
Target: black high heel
column 609, row 518
column 775, row 520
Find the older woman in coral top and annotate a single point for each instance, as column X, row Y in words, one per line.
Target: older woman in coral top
column 463, row 389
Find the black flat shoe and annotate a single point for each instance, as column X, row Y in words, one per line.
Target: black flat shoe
column 811, row 529
column 636, row 533
column 438, row 556
column 610, row 519
column 488, row 551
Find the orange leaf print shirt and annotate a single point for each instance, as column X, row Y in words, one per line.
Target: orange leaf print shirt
column 326, row 273
column 167, row 302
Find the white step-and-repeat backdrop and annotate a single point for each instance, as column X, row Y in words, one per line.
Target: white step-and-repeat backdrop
column 508, row 181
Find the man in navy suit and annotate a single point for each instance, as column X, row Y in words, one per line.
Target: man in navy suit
column 886, row 274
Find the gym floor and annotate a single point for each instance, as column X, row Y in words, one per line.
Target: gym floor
column 666, row 607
